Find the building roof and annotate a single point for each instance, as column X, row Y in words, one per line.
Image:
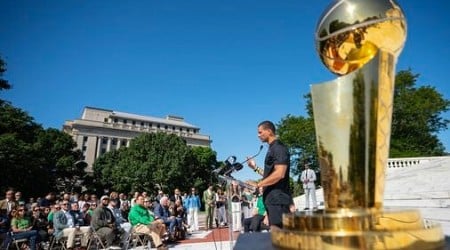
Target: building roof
column 169, row 120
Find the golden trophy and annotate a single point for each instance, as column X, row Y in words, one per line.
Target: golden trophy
column 359, row 40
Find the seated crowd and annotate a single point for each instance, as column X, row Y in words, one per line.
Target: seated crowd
column 72, row 218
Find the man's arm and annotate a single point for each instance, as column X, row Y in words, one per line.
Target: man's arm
column 277, row 174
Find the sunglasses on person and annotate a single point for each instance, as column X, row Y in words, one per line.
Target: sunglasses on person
column 36, row 209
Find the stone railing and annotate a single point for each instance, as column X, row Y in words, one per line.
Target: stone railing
column 413, row 161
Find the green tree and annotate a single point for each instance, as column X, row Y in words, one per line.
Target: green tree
column 298, row 134
column 30, row 155
column 201, row 166
column 59, row 159
column 154, row 161
column 417, row 118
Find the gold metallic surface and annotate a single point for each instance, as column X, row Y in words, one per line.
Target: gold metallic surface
column 423, row 238
column 350, row 33
column 352, row 118
column 359, row 40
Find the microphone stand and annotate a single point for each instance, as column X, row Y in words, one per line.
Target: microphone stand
column 229, row 179
column 230, row 213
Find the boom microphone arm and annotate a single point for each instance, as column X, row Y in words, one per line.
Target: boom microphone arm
column 253, row 156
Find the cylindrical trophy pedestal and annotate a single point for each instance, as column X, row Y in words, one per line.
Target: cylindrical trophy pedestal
column 354, row 229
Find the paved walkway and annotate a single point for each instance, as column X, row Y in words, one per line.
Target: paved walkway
column 218, row 238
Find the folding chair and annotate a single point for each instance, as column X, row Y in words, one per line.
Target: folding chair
column 18, row 243
column 96, row 240
column 139, row 239
column 58, row 244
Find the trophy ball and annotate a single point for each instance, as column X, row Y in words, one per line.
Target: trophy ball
column 350, row 33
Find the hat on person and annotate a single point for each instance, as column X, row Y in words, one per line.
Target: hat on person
column 104, row 197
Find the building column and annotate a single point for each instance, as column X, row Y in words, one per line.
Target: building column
column 99, row 146
column 108, row 145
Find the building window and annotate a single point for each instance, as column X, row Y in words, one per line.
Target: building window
column 85, row 138
column 84, row 148
column 114, row 141
column 116, row 120
column 123, row 143
column 105, row 119
column 103, row 151
column 165, row 127
column 133, row 122
column 181, row 129
column 142, row 124
column 158, row 126
column 125, row 121
column 150, row 124
column 105, row 140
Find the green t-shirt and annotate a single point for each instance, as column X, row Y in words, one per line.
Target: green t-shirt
column 260, row 205
column 50, row 216
column 20, row 223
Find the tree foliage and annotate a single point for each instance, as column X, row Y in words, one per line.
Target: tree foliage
column 33, row 158
column 417, row 118
column 298, row 134
column 155, row 161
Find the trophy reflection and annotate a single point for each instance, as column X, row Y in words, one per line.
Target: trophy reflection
column 359, row 40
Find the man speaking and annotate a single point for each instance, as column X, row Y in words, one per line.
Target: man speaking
column 277, row 197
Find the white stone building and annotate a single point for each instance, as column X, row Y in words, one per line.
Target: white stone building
column 101, row 130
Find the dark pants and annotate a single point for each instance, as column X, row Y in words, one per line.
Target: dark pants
column 253, row 224
column 107, row 234
column 31, row 235
column 275, row 213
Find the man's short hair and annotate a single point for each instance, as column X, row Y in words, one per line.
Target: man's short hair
column 267, row 125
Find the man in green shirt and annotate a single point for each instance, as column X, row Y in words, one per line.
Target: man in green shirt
column 143, row 222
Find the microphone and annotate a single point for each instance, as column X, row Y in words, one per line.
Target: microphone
column 230, row 164
column 253, row 156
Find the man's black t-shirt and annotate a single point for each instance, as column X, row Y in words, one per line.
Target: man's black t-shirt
column 278, row 193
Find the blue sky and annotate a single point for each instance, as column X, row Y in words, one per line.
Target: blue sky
column 222, row 65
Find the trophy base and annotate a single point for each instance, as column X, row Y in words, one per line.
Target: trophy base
column 358, row 229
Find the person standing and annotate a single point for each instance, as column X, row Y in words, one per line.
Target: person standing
column 308, row 177
column 209, row 198
column 277, row 197
column 193, row 204
column 8, row 203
